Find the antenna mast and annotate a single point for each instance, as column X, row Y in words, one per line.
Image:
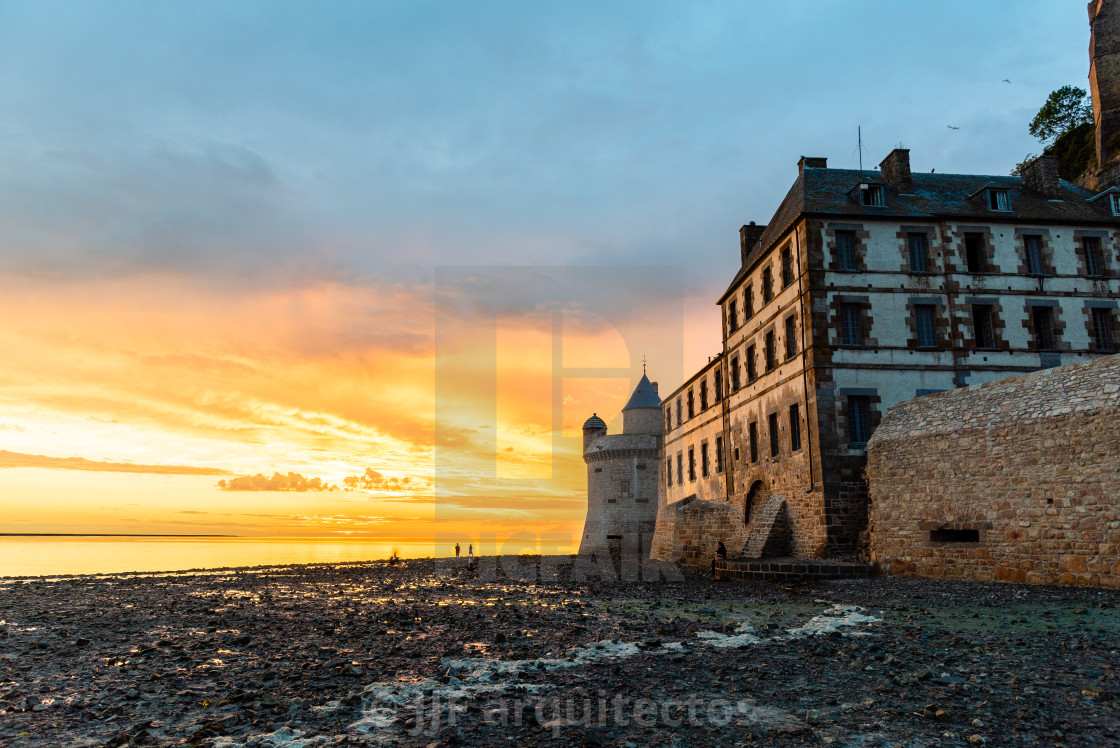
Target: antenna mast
column 859, row 144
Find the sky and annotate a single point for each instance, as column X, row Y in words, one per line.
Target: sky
column 362, row 269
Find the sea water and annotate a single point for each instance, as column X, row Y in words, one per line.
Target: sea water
column 24, row 556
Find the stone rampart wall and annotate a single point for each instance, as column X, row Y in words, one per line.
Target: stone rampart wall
column 1015, row 480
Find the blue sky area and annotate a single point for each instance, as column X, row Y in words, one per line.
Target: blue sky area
column 350, row 137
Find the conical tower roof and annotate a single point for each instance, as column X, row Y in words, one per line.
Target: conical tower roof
column 645, row 396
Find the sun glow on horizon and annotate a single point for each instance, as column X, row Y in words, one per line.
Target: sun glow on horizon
column 165, row 403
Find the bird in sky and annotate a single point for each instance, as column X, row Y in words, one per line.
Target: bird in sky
column 1006, row 80
column 952, row 128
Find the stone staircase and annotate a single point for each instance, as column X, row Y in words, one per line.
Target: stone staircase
column 771, row 535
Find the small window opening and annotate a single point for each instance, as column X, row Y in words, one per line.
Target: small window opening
column 846, row 250
column 974, row 254
column 927, row 335
column 1034, row 255
column 945, row 535
column 871, row 194
column 919, row 253
column 999, row 200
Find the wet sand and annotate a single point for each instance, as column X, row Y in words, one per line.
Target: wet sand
column 430, row 652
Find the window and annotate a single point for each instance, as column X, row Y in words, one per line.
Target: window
column 704, row 459
column 927, row 334
column 919, row 253
column 770, row 355
column 625, row 489
column 845, row 250
column 1114, row 202
column 719, row 454
column 704, row 395
column 691, row 408
column 794, row 427
column 871, row 194
column 791, row 337
column 732, row 316
column 982, row 325
column 851, row 324
column 998, row 200
column 692, row 463
column 669, row 419
column 680, row 470
column 974, row 255
column 752, row 372
column 767, row 286
column 735, row 371
column 947, row 535
column 1034, row 254
column 668, row 471
column 787, row 268
column 775, row 443
column 754, row 441
column 1043, row 318
column 719, row 385
column 1094, row 267
column 748, row 303
column 1102, row 329
column 859, row 419
column 678, row 411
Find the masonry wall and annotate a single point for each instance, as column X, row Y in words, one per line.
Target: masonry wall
column 1016, row 480
column 621, row 490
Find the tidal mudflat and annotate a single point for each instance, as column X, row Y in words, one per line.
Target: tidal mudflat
column 430, row 652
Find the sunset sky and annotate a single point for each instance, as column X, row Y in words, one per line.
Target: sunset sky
column 398, row 252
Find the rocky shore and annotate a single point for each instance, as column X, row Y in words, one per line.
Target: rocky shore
column 523, row 653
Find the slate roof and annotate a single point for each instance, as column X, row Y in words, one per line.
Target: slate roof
column 594, row 422
column 622, row 442
column 645, row 396
column 827, row 192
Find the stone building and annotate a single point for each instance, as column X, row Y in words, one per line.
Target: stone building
column 1104, row 84
column 622, row 476
column 1016, row 480
column 865, row 289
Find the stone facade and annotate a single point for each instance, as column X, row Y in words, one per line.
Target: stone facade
column 622, row 490
column 1104, row 85
column 1016, row 480
column 865, row 290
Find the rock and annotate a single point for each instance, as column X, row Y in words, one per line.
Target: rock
column 977, row 722
column 812, row 716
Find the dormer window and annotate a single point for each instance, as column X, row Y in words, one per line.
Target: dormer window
column 1114, row 203
column 871, row 194
column 999, row 200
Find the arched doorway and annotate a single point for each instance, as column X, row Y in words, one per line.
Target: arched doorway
column 756, row 497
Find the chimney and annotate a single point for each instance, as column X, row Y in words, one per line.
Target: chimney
column 811, row 162
column 748, row 237
column 1041, row 175
column 895, row 170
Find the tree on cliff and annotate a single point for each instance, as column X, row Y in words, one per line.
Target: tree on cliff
column 1064, row 110
column 1064, row 125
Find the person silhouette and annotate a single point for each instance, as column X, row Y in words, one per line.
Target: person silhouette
column 456, row 550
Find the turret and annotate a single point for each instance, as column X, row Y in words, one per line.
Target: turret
column 593, row 428
column 642, row 413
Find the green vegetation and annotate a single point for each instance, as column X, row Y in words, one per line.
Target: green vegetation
column 1064, row 125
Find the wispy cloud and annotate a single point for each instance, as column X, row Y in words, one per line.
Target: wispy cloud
column 20, row 460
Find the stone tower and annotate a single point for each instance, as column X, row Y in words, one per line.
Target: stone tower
column 1104, row 83
column 622, row 474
